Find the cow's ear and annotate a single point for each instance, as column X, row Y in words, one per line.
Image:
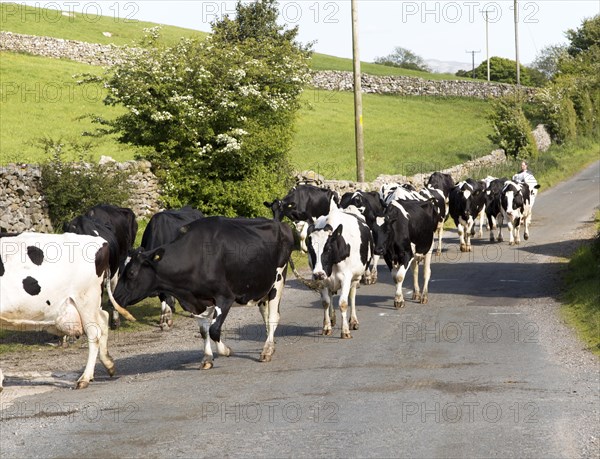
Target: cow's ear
column 310, row 229
column 537, row 187
column 268, row 204
column 158, row 255
column 338, row 231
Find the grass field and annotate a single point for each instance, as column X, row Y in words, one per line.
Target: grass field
column 582, row 296
column 40, row 98
column 403, row 135
column 90, row 28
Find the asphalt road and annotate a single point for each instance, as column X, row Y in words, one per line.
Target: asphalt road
column 474, row 373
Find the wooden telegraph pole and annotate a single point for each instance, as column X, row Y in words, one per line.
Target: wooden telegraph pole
column 358, row 118
column 517, row 42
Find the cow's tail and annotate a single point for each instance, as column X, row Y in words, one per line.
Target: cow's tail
column 124, row 312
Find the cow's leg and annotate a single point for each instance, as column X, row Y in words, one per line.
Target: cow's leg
column 215, row 328
column 527, row 223
column 271, row 314
column 204, row 321
column 511, row 230
column 371, row 272
column 440, row 234
column 398, row 274
column 468, row 230
column 328, row 312
column 167, row 307
column 94, row 322
column 461, row 237
column 517, row 226
column 499, row 223
column 416, row 296
column 426, row 276
column 352, row 297
column 343, row 304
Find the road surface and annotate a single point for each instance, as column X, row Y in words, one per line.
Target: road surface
column 486, row 369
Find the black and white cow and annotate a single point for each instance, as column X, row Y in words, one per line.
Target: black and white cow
column 119, row 227
column 370, row 206
column 440, row 183
column 340, row 247
column 493, row 204
column 390, row 192
column 215, row 262
column 163, row 228
column 405, row 236
column 516, row 209
column 303, row 205
column 53, row 282
column 467, row 201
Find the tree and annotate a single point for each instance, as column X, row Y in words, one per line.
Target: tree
column 503, row 70
column 216, row 115
column 586, row 36
column 403, row 58
column 548, row 60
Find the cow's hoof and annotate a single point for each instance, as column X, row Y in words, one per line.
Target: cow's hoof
column 469, row 248
column 111, row 371
column 266, row 357
column 424, row 299
column 492, row 239
column 398, row 304
column 500, row 239
column 526, row 236
column 82, row 384
column 416, row 296
column 463, row 248
column 207, row 365
column 333, row 321
column 327, row 332
column 346, row 335
column 353, row 325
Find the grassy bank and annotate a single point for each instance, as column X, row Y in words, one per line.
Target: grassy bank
column 582, row 296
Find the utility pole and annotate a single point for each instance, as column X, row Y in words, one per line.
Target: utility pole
column 473, row 62
column 516, row 8
column 487, row 42
column 358, row 118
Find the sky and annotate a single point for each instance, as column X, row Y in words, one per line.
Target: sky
column 433, row 29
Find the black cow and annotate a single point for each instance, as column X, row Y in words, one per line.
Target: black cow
column 370, row 206
column 440, row 181
column 303, row 205
column 215, row 262
column 163, row 228
column 100, row 220
column 467, row 201
column 493, row 205
column 406, row 236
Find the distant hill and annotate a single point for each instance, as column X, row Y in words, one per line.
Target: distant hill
column 447, row 66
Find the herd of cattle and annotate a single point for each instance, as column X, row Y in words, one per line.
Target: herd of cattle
column 54, row 282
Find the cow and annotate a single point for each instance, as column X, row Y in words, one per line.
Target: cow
column 440, row 183
column 340, row 247
column 390, row 192
column 53, row 283
column 163, row 228
column 215, row 262
column 370, row 206
column 303, row 205
column 101, row 220
column 467, row 200
column 493, row 204
column 404, row 236
column 516, row 208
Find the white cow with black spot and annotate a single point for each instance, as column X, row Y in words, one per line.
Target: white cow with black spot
column 53, row 283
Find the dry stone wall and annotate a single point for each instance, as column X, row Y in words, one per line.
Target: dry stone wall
column 107, row 55
column 23, row 206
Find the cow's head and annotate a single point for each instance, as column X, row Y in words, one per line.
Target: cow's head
column 512, row 198
column 283, row 208
column 326, row 247
column 139, row 279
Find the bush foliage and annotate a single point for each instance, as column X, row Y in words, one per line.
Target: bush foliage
column 512, row 131
column 72, row 187
column 217, row 113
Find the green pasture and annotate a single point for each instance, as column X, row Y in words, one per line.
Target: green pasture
column 89, row 26
column 41, row 99
column 403, row 135
column 125, row 30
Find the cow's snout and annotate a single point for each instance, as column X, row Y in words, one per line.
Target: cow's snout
column 319, row 275
column 379, row 251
